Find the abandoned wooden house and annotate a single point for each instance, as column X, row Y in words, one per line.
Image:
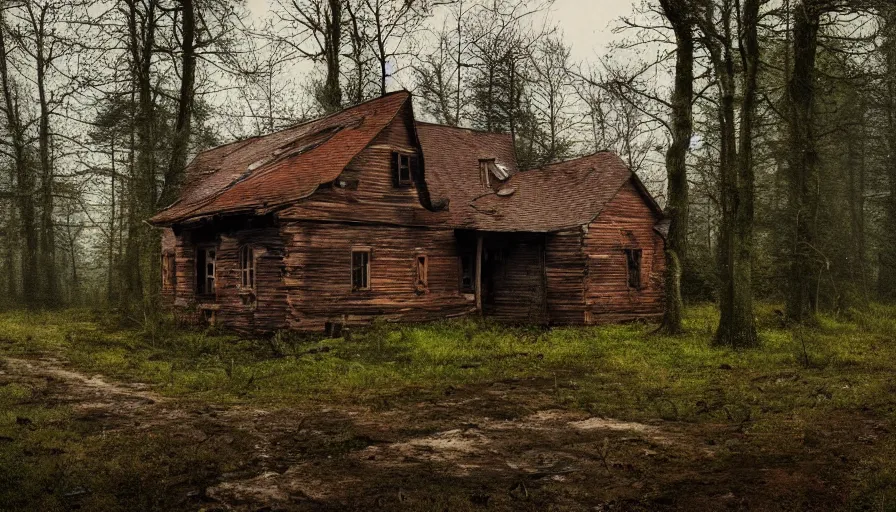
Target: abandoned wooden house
column 368, row 213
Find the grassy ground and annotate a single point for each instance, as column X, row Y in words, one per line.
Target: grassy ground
column 814, row 404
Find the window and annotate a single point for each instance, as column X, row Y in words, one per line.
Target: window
column 205, row 270
column 422, row 280
column 169, row 274
column 360, row 269
column 404, row 167
column 247, row 268
column 466, row 273
column 633, row 265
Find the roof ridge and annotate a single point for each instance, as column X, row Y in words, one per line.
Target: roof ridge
column 581, row 157
column 306, row 122
column 464, row 128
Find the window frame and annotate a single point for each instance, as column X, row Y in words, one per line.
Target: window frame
column 248, row 268
column 366, row 264
column 421, row 272
column 202, row 272
column 634, row 263
column 406, row 163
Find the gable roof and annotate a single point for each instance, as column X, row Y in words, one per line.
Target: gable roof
column 262, row 173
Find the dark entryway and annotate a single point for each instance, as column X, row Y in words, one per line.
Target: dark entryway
column 512, row 282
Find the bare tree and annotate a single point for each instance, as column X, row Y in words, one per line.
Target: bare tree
column 722, row 27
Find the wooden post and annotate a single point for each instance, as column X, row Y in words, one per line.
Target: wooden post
column 478, row 286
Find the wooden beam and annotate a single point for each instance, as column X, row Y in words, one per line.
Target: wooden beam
column 478, row 286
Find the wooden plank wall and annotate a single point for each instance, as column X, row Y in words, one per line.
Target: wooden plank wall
column 376, row 199
column 267, row 312
column 626, row 222
column 317, row 274
column 565, row 277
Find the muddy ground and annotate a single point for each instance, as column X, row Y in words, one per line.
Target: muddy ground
column 503, row 446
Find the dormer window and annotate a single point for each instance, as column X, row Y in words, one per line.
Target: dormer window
column 490, row 169
column 404, row 168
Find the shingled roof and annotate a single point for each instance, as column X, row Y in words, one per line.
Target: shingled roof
column 554, row 197
column 262, row 173
column 452, row 158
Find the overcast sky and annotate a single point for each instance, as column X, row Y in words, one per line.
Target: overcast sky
column 585, row 23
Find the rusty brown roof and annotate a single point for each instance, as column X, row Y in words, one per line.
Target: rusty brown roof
column 554, row 197
column 262, row 173
column 452, row 156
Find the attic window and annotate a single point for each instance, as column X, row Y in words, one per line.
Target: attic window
column 404, row 168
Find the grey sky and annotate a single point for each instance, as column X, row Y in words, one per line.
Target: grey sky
column 585, row 23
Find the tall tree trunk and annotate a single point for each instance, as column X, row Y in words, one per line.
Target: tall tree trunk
column 175, row 175
column 332, row 93
column 50, row 288
column 141, row 265
column 856, row 200
column 803, row 175
column 24, row 189
column 678, row 13
column 737, row 326
column 886, row 279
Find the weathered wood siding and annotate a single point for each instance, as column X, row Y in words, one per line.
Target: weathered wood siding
column 317, row 274
column 625, row 223
column 376, row 199
column 565, row 276
column 229, row 305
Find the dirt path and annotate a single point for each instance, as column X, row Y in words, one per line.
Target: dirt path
column 507, row 446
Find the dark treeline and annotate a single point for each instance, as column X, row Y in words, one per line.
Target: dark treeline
column 767, row 128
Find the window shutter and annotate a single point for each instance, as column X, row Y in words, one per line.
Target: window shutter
column 395, row 165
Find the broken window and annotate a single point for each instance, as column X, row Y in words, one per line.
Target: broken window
column 489, row 168
column 169, row 274
column 422, row 280
column 247, row 268
column 404, row 167
column 466, row 273
column 633, row 264
column 360, row 269
column 205, row 270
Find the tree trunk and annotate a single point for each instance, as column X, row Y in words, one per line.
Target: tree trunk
column 141, row 267
column 856, row 200
column 332, row 93
column 50, row 288
column 737, row 326
column 24, row 180
column 886, row 280
column 678, row 14
column 181, row 141
column 803, row 175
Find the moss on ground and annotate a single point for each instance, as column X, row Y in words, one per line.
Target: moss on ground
column 801, row 381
